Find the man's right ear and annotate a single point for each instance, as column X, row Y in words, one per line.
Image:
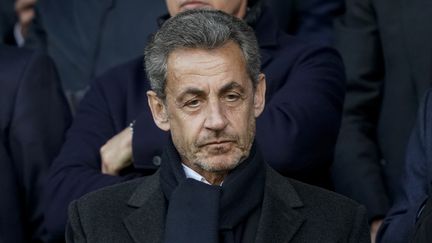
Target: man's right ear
column 158, row 110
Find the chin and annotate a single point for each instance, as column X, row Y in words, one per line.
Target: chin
column 219, row 163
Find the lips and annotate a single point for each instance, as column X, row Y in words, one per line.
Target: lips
column 222, row 142
column 193, row 5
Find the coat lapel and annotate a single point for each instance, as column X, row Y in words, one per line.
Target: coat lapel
column 147, row 222
column 279, row 219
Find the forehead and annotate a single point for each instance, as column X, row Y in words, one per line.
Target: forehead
column 201, row 67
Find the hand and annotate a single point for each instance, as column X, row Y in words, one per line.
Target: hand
column 375, row 225
column 25, row 11
column 116, row 154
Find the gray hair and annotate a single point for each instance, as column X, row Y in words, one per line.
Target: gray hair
column 203, row 29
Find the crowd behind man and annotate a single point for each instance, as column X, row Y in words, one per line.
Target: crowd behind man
column 113, row 137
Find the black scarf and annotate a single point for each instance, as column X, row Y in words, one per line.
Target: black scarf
column 198, row 212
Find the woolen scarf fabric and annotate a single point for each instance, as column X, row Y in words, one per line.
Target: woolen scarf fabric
column 198, row 212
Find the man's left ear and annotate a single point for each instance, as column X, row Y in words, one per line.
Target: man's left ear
column 259, row 97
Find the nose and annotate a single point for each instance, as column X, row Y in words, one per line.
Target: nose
column 216, row 118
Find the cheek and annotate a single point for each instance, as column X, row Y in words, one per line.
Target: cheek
column 240, row 117
column 223, row 5
column 173, row 6
column 187, row 127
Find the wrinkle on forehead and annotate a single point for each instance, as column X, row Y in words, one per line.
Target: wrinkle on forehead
column 205, row 63
column 207, row 67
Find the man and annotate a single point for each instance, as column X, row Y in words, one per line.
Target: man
column 213, row 185
column 33, row 118
column 297, row 131
column 415, row 184
column 386, row 49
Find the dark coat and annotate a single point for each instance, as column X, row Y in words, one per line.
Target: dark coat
column 297, row 130
column 8, row 19
column 387, row 50
column 291, row 212
column 33, row 118
column 416, row 186
column 310, row 20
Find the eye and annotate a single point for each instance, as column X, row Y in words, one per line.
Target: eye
column 232, row 97
column 194, row 103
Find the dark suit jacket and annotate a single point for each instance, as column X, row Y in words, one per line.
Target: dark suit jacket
column 33, row 118
column 7, row 22
column 310, row 20
column 416, row 182
column 297, row 130
column 387, row 50
column 291, row 212
column 85, row 38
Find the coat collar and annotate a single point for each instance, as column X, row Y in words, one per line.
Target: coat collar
column 147, row 222
column 279, row 219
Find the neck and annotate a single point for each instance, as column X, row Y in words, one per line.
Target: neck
column 214, row 178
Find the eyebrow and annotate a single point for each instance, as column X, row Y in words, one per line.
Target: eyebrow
column 198, row 92
column 190, row 91
column 230, row 86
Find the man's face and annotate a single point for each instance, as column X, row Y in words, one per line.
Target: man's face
column 210, row 107
column 233, row 7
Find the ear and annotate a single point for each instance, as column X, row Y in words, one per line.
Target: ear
column 259, row 97
column 158, row 110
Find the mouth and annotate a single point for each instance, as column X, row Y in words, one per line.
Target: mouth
column 217, row 143
column 193, row 5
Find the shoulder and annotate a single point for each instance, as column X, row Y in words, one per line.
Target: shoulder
column 19, row 66
column 315, row 200
column 326, row 215
column 130, row 73
column 313, row 196
column 111, row 195
column 109, row 202
column 12, row 58
column 305, row 50
column 289, row 54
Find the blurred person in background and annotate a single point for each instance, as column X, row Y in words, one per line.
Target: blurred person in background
column 15, row 18
column 387, row 51
column 410, row 205
column 33, row 118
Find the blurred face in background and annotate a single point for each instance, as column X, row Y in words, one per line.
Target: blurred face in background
column 234, row 7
